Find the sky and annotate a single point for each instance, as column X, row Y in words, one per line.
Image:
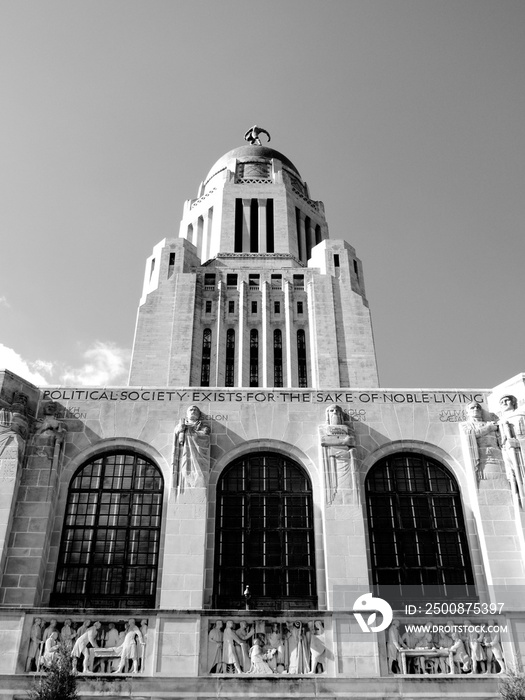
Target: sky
column 405, row 117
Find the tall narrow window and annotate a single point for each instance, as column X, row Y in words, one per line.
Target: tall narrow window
column 269, row 226
column 229, row 378
column 308, row 237
column 206, row 357
column 265, row 535
column 317, row 234
column 208, row 306
column 231, row 307
column 171, row 264
column 254, row 307
column 254, row 357
column 152, row 269
column 238, row 225
column 418, row 541
column 254, row 226
column 301, row 358
column 298, row 231
column 111, row 538
column 356, row 269
column 300, row 307
column 277, row 358
column 277, row 307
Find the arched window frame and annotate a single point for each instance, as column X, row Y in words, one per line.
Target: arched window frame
column 237, row 559
column 112, row 525
column 419, row 548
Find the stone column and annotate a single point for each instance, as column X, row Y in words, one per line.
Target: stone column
column 220, row 340
column 242, row 368
column 288, row 332
column 266, row 364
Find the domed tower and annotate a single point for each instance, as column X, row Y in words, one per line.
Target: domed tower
column 254, row 200
column 253, row 293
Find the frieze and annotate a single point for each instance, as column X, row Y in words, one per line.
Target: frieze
column 265, row 647
column 440, row 646
column 261, row 397
column 99, row 646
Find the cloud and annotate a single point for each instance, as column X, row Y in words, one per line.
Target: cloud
column 4, row 302
column 105, row 364
column 37, row 372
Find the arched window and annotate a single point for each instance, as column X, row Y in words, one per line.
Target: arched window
column 418, row 541
column 301, row 358
column 264, row 534
column 110, row 542
column 206, row 356
column 254, row 358
column 277, row 358
column 229, row 379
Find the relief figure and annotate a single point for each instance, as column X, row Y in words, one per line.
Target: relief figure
column 512, row 430
column 483, row 441
column 192, row 451
column 339, row 461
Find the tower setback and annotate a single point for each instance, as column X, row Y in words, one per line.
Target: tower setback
column 254, row 293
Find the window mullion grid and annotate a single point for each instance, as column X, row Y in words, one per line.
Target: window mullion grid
column 128, row 532
column 98, row 495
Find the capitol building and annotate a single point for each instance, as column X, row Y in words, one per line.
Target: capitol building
column 253, row 515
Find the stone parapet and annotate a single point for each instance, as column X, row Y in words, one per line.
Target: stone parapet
column 253, row 643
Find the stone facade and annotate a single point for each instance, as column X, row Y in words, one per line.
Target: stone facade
column 140, row 474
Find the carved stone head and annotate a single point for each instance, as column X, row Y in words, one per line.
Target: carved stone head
column 50, row 409
column 19, row 402
column 475, row 411
column 193, row 414
column 334, row 415
column 508, row 403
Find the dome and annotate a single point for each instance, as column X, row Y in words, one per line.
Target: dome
column 246, row 153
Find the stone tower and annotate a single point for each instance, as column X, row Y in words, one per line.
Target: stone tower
column 253, row 292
